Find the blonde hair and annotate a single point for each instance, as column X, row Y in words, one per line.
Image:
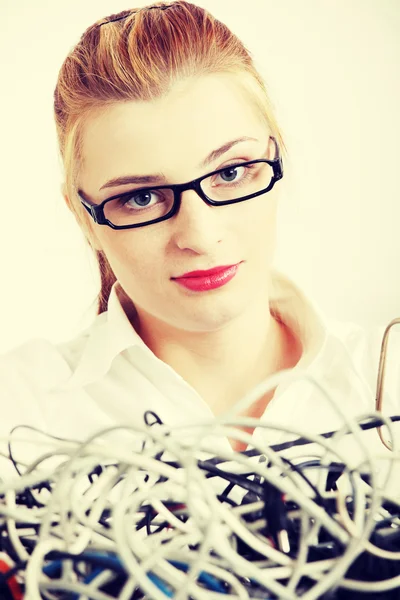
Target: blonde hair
column 138, row 55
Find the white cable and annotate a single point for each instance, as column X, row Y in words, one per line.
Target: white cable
column 75, row 506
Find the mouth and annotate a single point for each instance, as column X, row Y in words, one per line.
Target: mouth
column 210, row 279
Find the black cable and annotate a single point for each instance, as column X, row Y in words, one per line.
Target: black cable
column 275, row 512
column 373, row 423
column 5, row 592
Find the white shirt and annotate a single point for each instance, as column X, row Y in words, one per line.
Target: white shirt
column 108, row 376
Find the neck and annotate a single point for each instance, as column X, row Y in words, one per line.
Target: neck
column 225, row 364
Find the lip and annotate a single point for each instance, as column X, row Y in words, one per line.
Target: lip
column 210, row 279
column 206, row 272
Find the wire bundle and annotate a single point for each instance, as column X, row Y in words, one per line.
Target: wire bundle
column 158, row 516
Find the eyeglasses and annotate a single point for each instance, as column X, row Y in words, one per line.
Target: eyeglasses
column 141, row 207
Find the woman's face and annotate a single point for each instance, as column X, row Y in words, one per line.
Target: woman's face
column 171, row 137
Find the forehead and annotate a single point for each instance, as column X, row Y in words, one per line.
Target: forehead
column 172, row 134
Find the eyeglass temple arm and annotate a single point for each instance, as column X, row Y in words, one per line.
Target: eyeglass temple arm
column 381, row 376
column 277, row 159
column 94, row 211
column 86, row 205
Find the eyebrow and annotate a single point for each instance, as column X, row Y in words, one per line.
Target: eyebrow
column 126, row 179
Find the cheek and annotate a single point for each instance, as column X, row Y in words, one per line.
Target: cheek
column 133, row 256
column 258, row 220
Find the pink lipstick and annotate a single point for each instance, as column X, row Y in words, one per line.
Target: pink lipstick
column 202, row 281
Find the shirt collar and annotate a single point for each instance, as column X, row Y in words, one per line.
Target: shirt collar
column 112, row 332
column 301, row 315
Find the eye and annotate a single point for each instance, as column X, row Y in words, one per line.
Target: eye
column 231, row 173
column 231, row 176
column 139, row 205
column 141, row 199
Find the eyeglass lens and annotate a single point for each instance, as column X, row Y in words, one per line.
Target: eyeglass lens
column 233, row 183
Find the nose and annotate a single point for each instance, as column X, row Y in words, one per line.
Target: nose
column 197, row 226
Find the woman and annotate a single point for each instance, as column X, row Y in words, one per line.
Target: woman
column 173, row 161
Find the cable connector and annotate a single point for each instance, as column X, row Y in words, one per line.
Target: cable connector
column 275, row 516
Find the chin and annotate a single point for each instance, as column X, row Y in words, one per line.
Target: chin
column 209, row 318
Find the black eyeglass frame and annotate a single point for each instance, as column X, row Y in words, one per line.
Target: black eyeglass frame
column 96, row 211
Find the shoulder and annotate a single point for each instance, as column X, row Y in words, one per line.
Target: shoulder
column 30, row 370
column 364, row 342
column 366, row 350
column 40, row 359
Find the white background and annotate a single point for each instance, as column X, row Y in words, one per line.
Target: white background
column 332, row 68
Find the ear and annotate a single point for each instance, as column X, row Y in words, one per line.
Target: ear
column 65, row 196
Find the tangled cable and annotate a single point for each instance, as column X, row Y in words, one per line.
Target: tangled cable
column 159, row 515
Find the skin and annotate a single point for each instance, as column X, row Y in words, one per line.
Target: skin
column 223, row 341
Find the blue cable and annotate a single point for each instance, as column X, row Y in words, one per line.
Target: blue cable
column 210, row 581
column 108, row 561
column 104, row 561
column 162, row 586
column 53, row 569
